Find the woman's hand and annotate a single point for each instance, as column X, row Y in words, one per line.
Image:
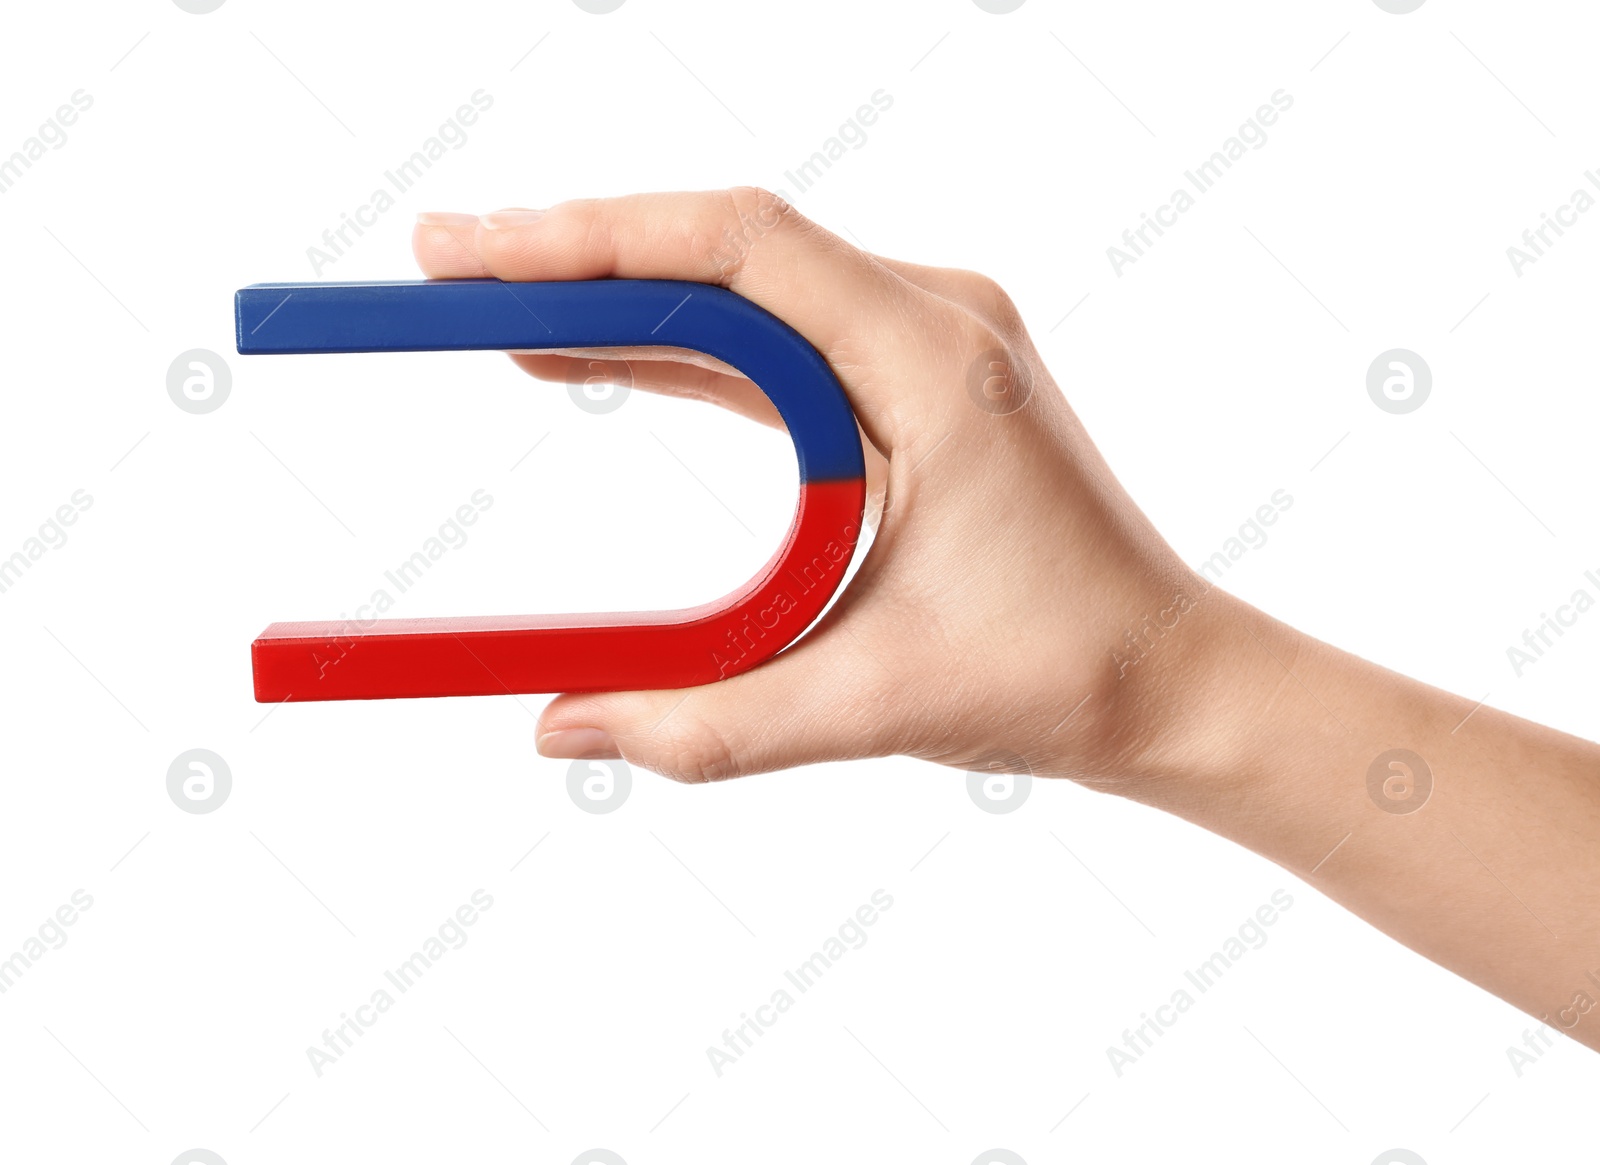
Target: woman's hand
column 990, row 623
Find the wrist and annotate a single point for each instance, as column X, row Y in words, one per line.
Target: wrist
column 1188, row 698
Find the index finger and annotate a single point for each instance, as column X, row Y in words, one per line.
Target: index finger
column 852, row 308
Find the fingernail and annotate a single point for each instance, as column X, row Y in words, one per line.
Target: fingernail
column 579, row 744
column 506, row 220
column 443, row 218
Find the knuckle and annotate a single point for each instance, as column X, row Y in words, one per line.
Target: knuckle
column 991, row 301
column 997, row 375
column 760, row 205
column 737, row 221
column 977, row 336
column 695, row 753
column 586, row 221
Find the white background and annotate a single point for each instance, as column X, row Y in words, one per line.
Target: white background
column 1227, row 363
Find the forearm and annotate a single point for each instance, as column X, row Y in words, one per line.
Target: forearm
column 1492, row 871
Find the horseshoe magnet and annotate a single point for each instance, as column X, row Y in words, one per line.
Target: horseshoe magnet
column 483, row 656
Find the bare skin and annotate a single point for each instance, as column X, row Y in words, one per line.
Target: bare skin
column 1017, row 609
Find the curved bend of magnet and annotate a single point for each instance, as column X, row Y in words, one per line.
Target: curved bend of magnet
column 481, row 656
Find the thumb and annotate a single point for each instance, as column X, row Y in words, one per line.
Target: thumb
column 804, row 707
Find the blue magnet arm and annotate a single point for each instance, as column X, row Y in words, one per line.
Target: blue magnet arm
column 463, row 314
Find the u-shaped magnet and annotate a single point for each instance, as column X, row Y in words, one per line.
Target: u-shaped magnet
column 481, row 656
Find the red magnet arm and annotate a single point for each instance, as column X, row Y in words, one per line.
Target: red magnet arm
column 481, row 656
